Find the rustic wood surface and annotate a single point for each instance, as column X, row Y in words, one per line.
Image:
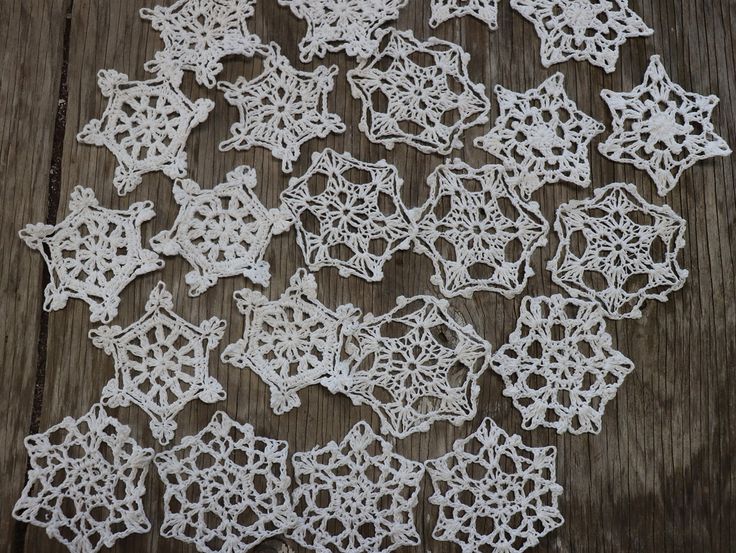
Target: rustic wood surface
column 660, row 477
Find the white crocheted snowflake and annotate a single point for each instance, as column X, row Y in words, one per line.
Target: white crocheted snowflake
column 444, row 10
column 291, row 343
column 145, row 125
column 161, row 362
column 417, row 92
column 559, row 366
column 197, row 34
column 223, row 231
column 355, row 221
column 282, row 108
column 227, row 489
column 494, row 493
column 86, row 482
column 93, row 254
column 619, row 250
column 543, row 133
column 661, row 128
column 414, row 366
column 342, row 25
column 478, row 232
column 356, row 496
column 581, row 30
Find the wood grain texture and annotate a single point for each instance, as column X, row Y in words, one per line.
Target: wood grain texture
column 660, row 476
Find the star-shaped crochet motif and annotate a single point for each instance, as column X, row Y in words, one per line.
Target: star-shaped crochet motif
column 161, row 362
column 291, row 343
column 223, row 231
column 197, row 34
column 444, row 10
column 414, row 366
column 494, row 493
column 417, row 92
column 661, row 128
column 282, row 108
column 356, row 496
column 619, row 250
column 543, row 133
column 356, row 221
column 478, row 232
column 227, row 489
column 93, row 254
column 559, row 367
column 342, row 25
column 591, row 30
column 145, row 125
column 86, row 482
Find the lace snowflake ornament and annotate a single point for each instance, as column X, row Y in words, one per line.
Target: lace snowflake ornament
column 494, row 493
column 86, row 482
column 543, row 133
column 161, row 362
column 342, row 25
column 414, row 366
column 223, row 231
column 197, row 34
column 417, row 92
column 559, row 367
column 478, row 232
column 227, row 489
column 618, row 250
column 582, row 30
column 93, row 254
column 282, row 108
column 145, row 125
column 484, row 10
column 661, row 128
column 356, row 496
column 291, row 343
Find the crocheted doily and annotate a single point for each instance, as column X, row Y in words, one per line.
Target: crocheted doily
column 223, row 231
column 417, row 92
column 661, row 128
column 86, row 482
column 145, row 125
column 543, row 133
column 291, row 343
column 559, row 366
column 226, row 488
column 494, row 493
column 619, row 250
column 414, row 366
column 355, row 221
column 93, row 254
column 591, row 30
column 342, row 25
column 356, row 496
column 478, row 232
column 444, row 10
column 161, row 362
column 282, row 108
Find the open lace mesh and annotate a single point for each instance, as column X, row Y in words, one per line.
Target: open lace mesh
column 444, row 10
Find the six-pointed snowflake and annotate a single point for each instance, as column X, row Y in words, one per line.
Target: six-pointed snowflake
column 591, row 30
column 494, row 493
column 93, row 254
column 619, row 250
column 559, row 366
column 356, row 496
column 227, row 489
column 417, row 92
column 282, row 108
column 444, row 10
column 661, row 128
column 161, row 362
column 86, row 482
column 543, row 133
column 145, row 125
column 223, row 231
